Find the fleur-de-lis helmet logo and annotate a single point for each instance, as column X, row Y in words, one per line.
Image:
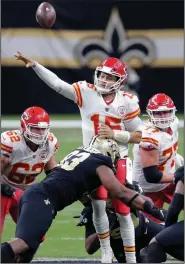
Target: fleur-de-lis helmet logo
column 115, row 44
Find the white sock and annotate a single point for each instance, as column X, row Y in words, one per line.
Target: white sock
column 101, row 223
column 127, row 231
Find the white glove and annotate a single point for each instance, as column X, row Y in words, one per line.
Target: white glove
column 179, row 160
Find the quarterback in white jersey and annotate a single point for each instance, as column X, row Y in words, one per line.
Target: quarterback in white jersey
column 120, row 115
column 108, row 112
column 156, row 155
column 25, row 154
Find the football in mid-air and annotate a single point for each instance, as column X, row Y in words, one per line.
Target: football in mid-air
column 46, row 15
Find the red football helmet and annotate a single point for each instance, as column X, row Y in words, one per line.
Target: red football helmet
column 161, row 110
column 35, row 124
column 114, row 68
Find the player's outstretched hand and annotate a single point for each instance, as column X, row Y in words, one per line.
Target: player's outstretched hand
column 27, row 61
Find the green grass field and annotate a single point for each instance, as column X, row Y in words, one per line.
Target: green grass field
column 64, row 239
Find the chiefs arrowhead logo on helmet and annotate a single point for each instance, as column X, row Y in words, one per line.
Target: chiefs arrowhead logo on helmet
column 25, row 116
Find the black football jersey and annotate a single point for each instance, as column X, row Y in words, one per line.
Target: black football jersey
column 75, row 176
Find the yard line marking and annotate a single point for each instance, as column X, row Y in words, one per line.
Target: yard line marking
column 54, row 238
column 54, row 124
column 57, row 123
column 67, row 260
column 64, row 238
column 64, row 221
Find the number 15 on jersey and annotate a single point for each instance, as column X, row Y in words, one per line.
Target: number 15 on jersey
column 113, row 122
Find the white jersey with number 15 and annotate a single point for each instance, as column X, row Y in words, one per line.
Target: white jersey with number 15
column 121, row 114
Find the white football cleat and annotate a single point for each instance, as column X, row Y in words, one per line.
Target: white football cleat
column 107, row 256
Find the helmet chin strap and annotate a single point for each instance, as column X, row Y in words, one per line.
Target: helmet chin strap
column 105, row 91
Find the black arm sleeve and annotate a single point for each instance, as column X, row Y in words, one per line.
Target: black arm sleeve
column 175, row 207
column 152, row 175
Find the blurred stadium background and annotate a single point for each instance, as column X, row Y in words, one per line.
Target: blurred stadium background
column 148, row 35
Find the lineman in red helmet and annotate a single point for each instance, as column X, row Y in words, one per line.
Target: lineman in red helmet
column 156, row 155
column 110, row 113
column 25, row 153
